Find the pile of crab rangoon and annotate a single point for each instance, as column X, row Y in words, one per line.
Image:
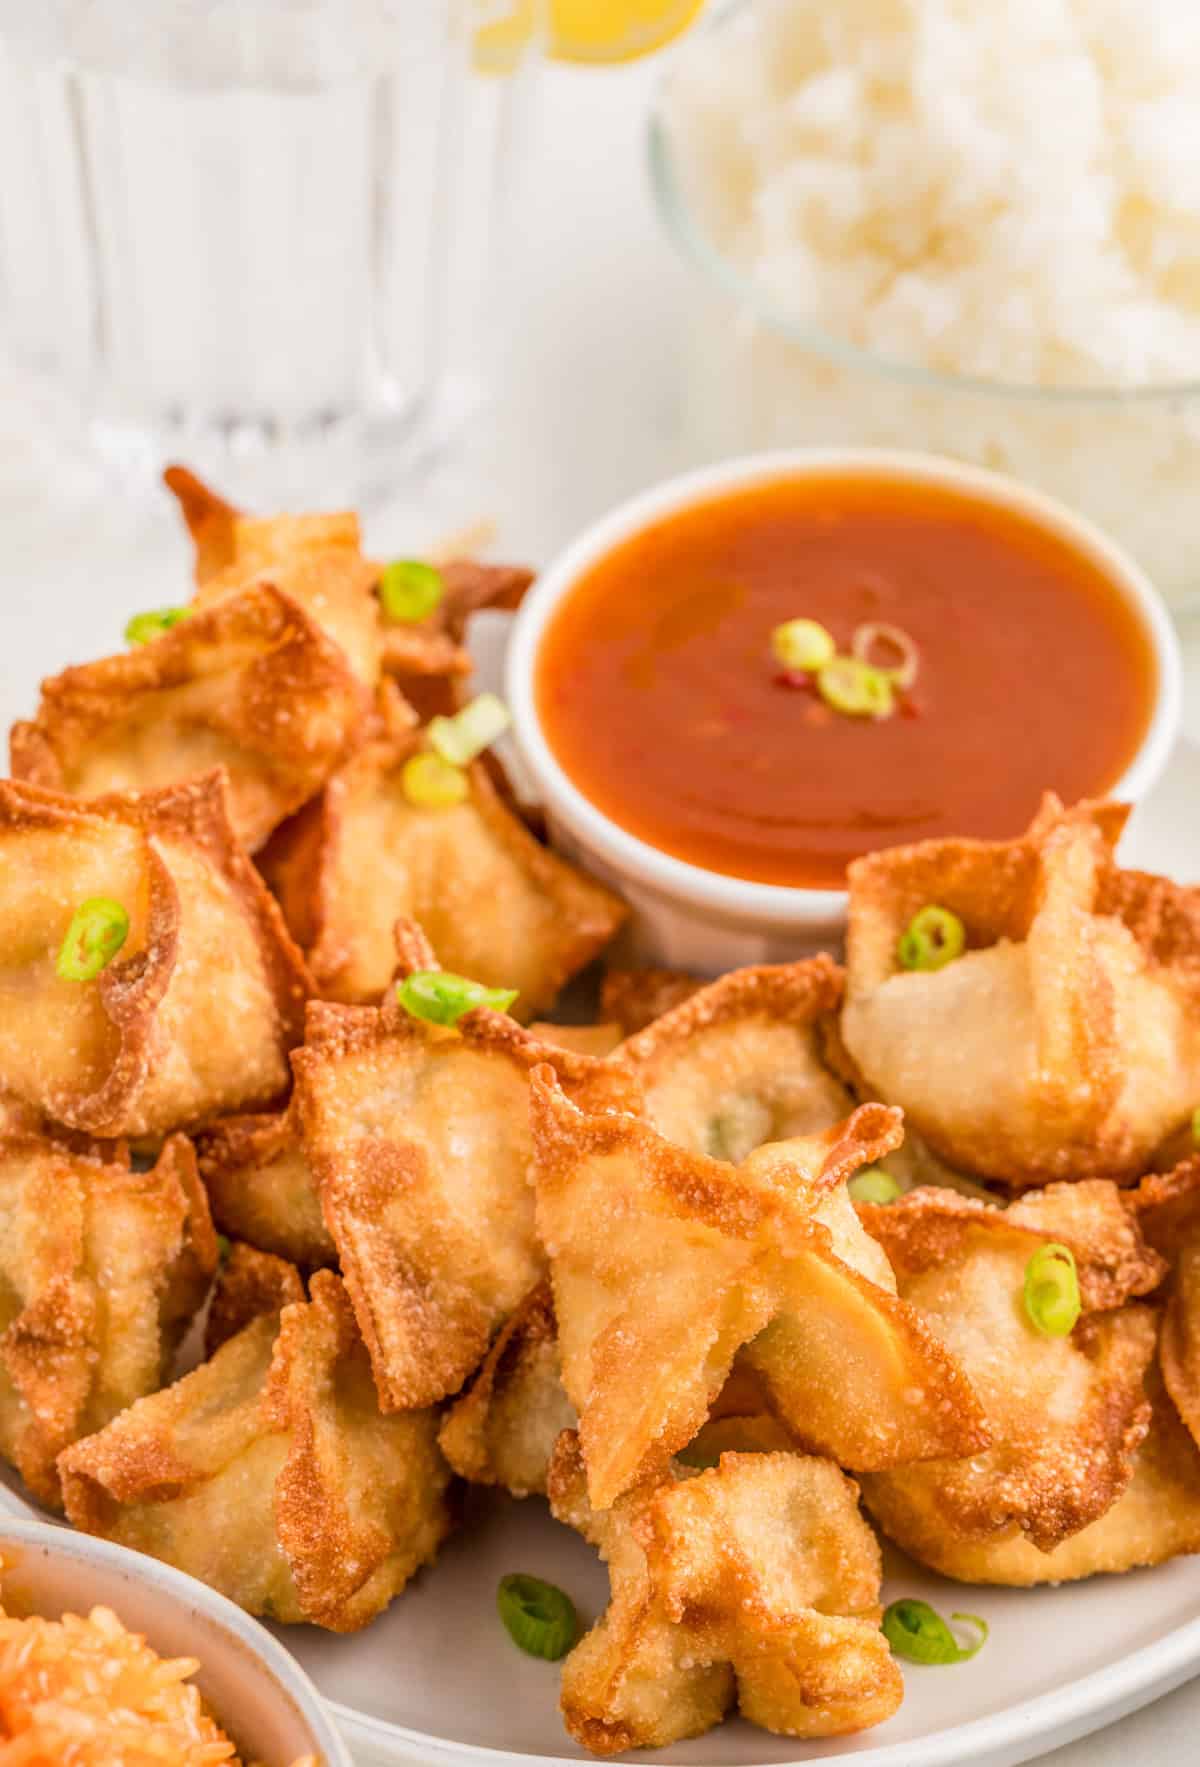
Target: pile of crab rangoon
column 733, row 1276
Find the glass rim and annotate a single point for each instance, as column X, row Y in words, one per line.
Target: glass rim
column 699, row 250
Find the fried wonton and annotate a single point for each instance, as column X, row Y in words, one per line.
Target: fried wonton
column 270, row 1473
column 420, row 1144
column 495, row 904
column 315, row 559
column 739, row 1063
column 1156, row 1517
column 101, row 1271
column 1066, row 1413
column 1065, row 1041
column 634, row 998
column 261, row 1188
column 249, row 684
column 503, row 1429
column 194, row 1015
column 665, row 1264
column 756, row 1582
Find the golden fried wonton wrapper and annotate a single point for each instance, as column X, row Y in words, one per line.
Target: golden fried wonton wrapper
column 495, row 904
column 270, row 1474
column 249, row 684
column 101, row 1270
column 195, row 1014
column 1066, row 1413
column 503, row 1429
column 251, row 1283
column 315, row 559
column 756, row 1582
column 1166, row 1206
column 739, row 1063
column 634, row 998
column 597, row 1040
column 261, row 1188
column 1156, row 1517
column 419, row 1140
column 665, row 1264
column 1065, row 1042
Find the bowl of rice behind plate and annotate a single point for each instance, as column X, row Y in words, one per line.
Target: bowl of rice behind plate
column 966, row 229
column 109, row 1656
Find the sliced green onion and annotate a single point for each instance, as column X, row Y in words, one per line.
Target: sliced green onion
column 431, row 783
column 143, row 627
column 933, row 938
column 1052, row 1290
column 538, row 1618
column 442, row 998
column 873, row 1185
column 803, row 645
column 410, row 590
column 1196, row 1126
column 223, row 1249
column 460, row 739
column 918, row 1633
column 855, row 689
column 867, row 640
column 98, row 929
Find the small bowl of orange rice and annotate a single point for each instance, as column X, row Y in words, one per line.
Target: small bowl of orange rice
column 109, row 1657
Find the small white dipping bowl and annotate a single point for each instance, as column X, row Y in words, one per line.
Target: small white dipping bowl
column 689, row 918
column 257, row 1693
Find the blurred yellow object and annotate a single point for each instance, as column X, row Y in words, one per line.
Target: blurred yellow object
column 583, row 30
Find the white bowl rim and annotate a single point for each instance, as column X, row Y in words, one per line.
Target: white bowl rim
column 779, row 905
column 190, row 1593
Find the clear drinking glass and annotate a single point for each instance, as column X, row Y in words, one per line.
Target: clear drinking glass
column 259, row 235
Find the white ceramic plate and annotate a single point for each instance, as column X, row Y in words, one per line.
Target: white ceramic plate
column 436, row 1681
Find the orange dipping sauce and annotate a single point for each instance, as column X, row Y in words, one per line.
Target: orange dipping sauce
column 658, row 693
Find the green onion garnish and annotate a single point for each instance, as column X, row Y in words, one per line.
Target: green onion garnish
column 460, row 739
column 905, row 657
column 1052, row 1290
column 441, row 998
column 143, row 627
column 410, row 590
column 98, row 929
column 431, row 783
column 803, row 645
column 933, row 938
column 1196, row 1127
column 855, row 688
column 918, row 1633
column 539, row 1618
column 873, row 1185
column 224, row 1247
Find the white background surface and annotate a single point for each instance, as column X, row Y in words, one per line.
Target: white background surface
column 585, row 414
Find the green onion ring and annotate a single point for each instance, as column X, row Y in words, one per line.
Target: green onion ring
column 441, row 998
column 934, row 937
column 873, row 1185
column 410, row 590
column 856, row 689
column 1051, row 1292
column 98, row 929
column 803, row 645
column 919, row 1634
column 538, row 1617
column 141, row 628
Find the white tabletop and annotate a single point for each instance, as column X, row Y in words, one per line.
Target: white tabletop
column 585, row 413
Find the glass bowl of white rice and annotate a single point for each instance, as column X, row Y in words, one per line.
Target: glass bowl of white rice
column 951, row 226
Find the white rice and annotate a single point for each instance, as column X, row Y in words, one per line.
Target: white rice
column 1004, row 188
